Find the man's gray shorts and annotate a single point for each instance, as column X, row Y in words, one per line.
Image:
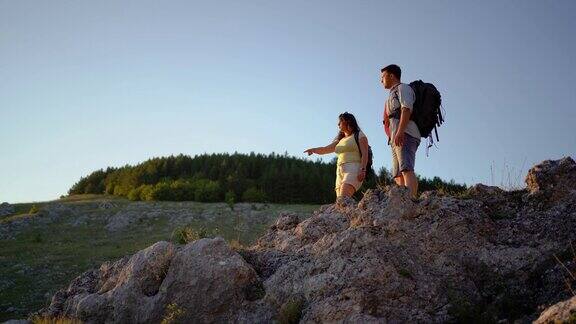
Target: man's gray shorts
column 404, row 157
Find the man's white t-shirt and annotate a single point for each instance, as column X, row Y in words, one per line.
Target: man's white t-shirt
column 401, row 95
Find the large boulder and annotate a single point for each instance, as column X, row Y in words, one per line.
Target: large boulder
column 553, row 178
column 200, row 282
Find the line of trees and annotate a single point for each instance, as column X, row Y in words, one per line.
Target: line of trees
column 230, row 177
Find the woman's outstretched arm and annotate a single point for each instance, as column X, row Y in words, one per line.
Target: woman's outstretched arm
column 322, row 150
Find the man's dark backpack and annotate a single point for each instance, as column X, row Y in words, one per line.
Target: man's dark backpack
column 369, row 164
column 426, row 114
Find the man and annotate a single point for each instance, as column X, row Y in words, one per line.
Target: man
column 403, row 134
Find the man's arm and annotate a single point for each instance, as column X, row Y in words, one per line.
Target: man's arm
column 386, row 122
column 404, row 120
column 406, row 97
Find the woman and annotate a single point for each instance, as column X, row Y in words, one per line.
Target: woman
column 352, row 160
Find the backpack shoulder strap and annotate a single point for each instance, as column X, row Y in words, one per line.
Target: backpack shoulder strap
column 395, row 94
column 356, row 134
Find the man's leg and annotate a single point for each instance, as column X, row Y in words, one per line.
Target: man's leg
column 411, row 182
column 407, row 161
column 396, row 167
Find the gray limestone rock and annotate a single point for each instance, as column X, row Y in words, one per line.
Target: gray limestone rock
column 6, row 209
column 562, row 312
column 487, row 256
column 201, row 282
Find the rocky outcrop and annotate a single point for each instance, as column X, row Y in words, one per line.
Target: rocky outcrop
column 6, row 209
column 552, row 174
column 552, row 180
column 49, row 213
column 563, row 312
column 204, row 281
column 489, row 255
column 176, row 213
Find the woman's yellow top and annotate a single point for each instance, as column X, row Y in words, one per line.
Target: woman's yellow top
column 347, row 149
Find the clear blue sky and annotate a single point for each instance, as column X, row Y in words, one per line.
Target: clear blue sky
column 90, row 84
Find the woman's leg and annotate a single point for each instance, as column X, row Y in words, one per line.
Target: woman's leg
column 347, row 190
column 338, row 185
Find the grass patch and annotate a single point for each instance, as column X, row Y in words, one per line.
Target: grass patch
column 26, row 208
column 187, row 234
column 236, row 245
column 34, row 209
column 15, row 217
column 172, row 314
column 255, row 291
column 37, row 263
column 291, row 311
column 404, row 273
column 90, row 197
column 22, row 210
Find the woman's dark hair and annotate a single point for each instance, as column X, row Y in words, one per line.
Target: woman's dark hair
column 350, row 120
column 394, row 70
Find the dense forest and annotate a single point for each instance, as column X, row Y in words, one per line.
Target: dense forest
column 232, row 178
